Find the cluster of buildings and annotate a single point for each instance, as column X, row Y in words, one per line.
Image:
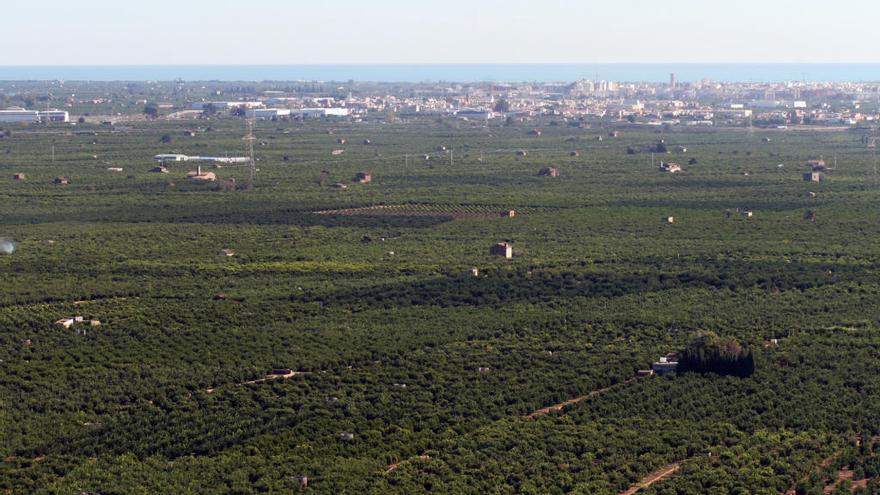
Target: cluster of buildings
column 676, row 103
column 706, row 103
column 77, row 323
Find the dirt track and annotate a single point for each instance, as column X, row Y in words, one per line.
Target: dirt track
column 658, row 475
column 571, row 402
column 267, row 378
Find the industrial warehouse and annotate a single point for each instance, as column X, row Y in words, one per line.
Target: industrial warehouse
column 18, row 114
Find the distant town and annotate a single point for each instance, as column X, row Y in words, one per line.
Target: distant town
column 673, row 103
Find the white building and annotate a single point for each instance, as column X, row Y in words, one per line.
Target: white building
column 320, row 112
column 734, row 113
column 54, row 116
column 266, row 113
column 17, row 114
column 170, row 157
column 226, row 105
column 220, row 159
column 664, row 366
column 475, row 114
column 281, row 100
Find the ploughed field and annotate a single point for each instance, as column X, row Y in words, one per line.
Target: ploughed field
column 345, row 338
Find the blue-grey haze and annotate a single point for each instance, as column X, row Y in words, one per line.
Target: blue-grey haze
column 647, row 72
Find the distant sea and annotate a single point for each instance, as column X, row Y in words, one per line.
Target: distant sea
column 653, row 72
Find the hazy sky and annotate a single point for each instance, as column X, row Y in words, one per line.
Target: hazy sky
column 48, row 32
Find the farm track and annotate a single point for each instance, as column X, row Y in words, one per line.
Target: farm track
column 819, row 467
column 654, row 477
column 268, row 378
column 842, row 475
column 540, row 412
column 570, row 402
column 393, row 467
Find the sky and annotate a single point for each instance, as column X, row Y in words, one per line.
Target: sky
column 131, row 32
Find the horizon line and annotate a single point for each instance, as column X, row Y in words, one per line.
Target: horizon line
column 330, row 64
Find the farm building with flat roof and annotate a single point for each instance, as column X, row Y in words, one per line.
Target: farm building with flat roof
column 501, row 249
column 17, row 114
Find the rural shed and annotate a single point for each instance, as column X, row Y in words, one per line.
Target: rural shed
column 201, row 176
column 65, row 322
column 548, row 172
column 670, row 167
column 664, row 365
column 814, row 177
column 501, row 249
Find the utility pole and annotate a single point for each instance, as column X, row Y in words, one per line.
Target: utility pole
column 872, row 145
column 53, row 151
column 451, row 159
column 250, row 139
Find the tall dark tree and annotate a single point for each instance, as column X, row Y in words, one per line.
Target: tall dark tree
column 209, row 110
column 151, row 110
column 711, row 353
